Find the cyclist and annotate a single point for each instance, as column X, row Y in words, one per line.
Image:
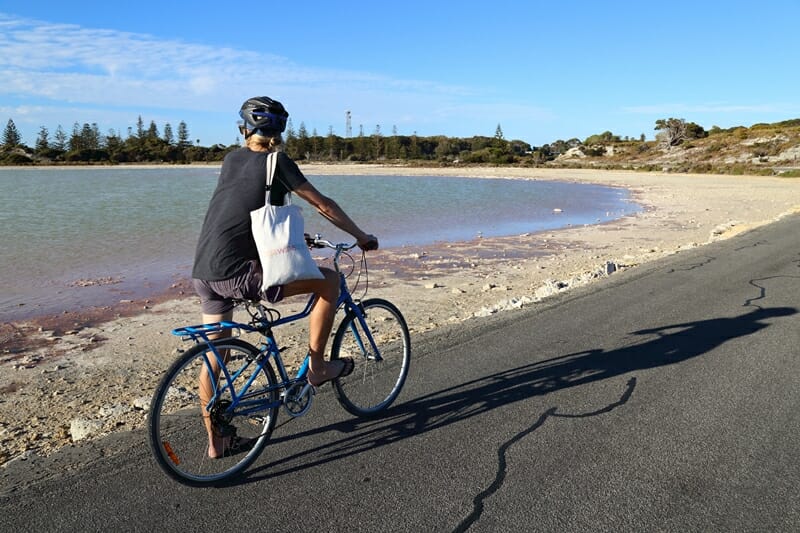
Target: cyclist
column 226, row 264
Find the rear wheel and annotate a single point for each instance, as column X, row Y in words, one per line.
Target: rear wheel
column 380, row 346
column 178, row 421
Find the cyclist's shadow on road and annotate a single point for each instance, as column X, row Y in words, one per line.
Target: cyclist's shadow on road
column 673, row 343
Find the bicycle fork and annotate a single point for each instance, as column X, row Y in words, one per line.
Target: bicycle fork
column 370, row 348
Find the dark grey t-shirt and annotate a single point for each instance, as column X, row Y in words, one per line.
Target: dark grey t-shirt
column 226, row 243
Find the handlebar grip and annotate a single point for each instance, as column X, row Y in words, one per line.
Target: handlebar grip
column 370, row 245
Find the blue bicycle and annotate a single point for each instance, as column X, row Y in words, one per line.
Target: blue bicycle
column 236, row 388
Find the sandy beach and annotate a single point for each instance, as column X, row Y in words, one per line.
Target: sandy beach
column 69, row 381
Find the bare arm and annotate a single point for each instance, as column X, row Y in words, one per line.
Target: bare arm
column 329, row 209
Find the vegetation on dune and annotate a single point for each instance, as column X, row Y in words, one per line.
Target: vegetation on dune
column 680, row 146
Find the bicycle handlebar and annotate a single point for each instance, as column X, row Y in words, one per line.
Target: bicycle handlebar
column 318, row 242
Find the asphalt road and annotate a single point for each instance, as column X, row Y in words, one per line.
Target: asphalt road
column 664, row 398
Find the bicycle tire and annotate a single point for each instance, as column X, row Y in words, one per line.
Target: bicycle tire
column 177, row 428
column 373, row 385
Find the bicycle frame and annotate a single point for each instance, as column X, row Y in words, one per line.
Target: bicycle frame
column 200, row 334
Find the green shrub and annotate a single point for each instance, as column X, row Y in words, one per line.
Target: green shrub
column 594, row 151
column 738, row 170
column 703, row 168
column 86, row 155
column 15, row 158
column 790, row 174
column 795, row 122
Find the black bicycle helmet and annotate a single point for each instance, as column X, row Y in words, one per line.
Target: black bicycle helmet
column 264, row 114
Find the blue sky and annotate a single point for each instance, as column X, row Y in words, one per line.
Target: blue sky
column 542, row 70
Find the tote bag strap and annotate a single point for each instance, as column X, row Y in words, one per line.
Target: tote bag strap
column 272, row 161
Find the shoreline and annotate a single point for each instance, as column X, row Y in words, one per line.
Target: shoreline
column 78, row 377
column 53, row 293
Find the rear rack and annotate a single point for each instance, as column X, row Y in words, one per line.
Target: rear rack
column 201, row 332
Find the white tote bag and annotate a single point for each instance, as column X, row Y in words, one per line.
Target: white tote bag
column 280, row 239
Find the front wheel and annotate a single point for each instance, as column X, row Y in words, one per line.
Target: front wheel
column 378, row 341
column 185, row 408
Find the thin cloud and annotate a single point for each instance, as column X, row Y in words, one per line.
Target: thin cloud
column 108, row 74
column 74, row 64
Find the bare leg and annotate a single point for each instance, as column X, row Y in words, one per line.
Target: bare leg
column 320, row 321
column 216, row 445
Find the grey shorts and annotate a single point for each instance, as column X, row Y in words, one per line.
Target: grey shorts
column 218, row 297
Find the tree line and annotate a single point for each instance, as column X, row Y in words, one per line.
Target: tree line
column 147, row 144
column 86, row 144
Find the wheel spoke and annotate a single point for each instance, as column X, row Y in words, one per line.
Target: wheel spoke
column 179, row 423
column 380, row 346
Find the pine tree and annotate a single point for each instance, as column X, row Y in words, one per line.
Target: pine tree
column 499, row 141
column 60, row 139
column 97, row 136
column 378, row 138
column 42, row 141
column 11, row 136
column 302, row 146
column 152, row 131
column 498, row 133
column 330, row 143
column 168, row 137
column 89, row 137
column 183, row 136
column 289, row 134
column 113, row 142
column 75, row 140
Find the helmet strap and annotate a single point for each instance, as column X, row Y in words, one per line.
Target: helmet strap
column 246, row 132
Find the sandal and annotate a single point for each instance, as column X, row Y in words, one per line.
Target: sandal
column 237, row 445
column 347, row 368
